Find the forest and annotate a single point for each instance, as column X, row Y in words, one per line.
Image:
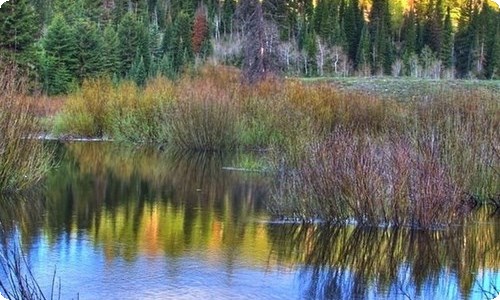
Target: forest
column 62, row 42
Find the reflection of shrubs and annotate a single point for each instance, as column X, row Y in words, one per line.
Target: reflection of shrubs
column 23, row 160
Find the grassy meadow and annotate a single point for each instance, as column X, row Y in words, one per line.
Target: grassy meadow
column 377, row 151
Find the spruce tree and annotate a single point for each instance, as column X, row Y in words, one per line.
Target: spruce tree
column 90, row 48
column 446, row 54
column 60, row 46
column 353, row 25
column 228, row 9
column 182, row 51
column 363, row 55
column 137, row 71
column 129, row 37
column 380, row 26
column 493, row 68
column 409, row 33
column 18, row 31
column 110, row 51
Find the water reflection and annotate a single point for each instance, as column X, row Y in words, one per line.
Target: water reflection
column 360, row 263
column 168, row 225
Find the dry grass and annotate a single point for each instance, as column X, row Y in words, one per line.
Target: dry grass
column 340, row 154
column 23, row 160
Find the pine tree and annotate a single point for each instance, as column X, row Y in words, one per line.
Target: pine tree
column 363, row 55
column 493, row 68
column 144, row 44
column 181, row 42
column 433, row 30
column 447, row 45
column 90, row 48
column 60, row 47
column 409, row 33
column 110, row 52
column 137, row 71
column 129, row 37
column 380, row 26
column 18, row 31
column 467, row 39
column 228, row 9
column 489, row 27
column 353, row 25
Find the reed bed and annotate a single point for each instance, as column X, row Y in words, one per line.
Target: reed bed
column 339, row 155
column 23, row 160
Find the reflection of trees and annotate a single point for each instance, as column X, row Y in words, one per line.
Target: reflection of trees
column 21, row 212
column 349, row 263
column 130, row 200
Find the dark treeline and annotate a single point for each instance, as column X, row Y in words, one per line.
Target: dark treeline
column 64, row 42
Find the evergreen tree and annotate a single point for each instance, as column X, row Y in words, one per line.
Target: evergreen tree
column 433, row 31
column 137, row 71
column 144, row 44
column 228, row 10
column 18, row 31
column 493, row 68
column 90, row 49
column 181, row 42
column 60, row 47
column 110, row 51
column 380, row 25
column 363, row 55
column 446, row 55
column 467, row 39
column 489, row 20
column 409, row 33
column 129, row 31
column 353, row 25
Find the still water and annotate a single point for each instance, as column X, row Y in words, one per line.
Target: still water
column 116, row 222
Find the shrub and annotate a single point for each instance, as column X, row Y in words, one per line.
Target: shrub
column 23, row 159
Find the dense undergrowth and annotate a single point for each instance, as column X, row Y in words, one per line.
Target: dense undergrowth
column 338, row 154
column 23, row 160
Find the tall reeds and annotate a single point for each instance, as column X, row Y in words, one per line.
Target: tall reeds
column 339, row 154
column 23, row 159
column 419, row 164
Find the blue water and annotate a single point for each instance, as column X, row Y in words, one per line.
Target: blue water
column 121, row 223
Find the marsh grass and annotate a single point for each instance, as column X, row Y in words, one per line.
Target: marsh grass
column 339, row 154
column 419, row 164
column 20, row 283
column 23, row 159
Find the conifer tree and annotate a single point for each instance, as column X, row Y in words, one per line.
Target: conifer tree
column 137, row 71
column 181, row 42
column 409, row 33
column 380, row 26
column 18, row 31
column 60, row 47
column 129, row 37
column 228, row 10
column 363, row 54
column 89, row 41
column 353, row 25
column 110, row 51
column 446, row 55
column 493, row 68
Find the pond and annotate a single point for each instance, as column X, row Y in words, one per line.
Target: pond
column 116, row 222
